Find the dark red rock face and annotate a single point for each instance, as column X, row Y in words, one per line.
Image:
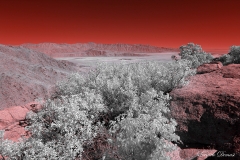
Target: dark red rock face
column 208, row 109
column 13, row 121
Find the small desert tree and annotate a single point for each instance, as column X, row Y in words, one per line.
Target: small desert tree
column 232, row 57
column 235, row 53
column 195, row 54
column 226, row 59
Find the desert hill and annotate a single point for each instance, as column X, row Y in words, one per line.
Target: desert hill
column 26, row 75
column 93, row 49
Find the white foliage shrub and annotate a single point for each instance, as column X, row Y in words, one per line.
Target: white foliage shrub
column 232, row 57
column 195, row 54
column 234, row 54
column 60, row 130
column 115, row 111
column 143, row 130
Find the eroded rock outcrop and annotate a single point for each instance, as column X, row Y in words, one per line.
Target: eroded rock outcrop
column 13, row 120
column 208, row 110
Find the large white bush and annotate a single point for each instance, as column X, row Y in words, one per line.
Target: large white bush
column 115, row 111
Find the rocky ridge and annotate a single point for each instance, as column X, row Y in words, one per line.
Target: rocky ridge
column 87, row 49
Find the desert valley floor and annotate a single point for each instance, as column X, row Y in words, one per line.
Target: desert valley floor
column 88, row 62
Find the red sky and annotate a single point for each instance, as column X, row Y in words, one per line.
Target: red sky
column 167, row 23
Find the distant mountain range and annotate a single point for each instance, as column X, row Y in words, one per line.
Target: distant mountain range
column 94, row 49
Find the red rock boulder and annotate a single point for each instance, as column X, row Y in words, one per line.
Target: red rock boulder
column 208, row 110
column 209, row 67
column 13, row 120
